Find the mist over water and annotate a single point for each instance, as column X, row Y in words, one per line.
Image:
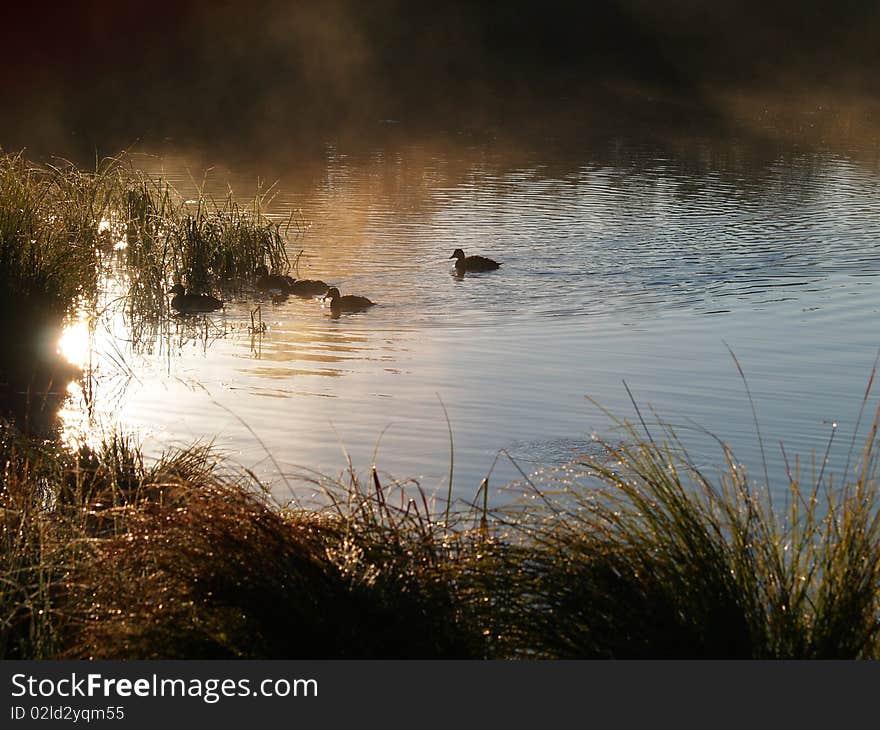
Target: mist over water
column 100, row 77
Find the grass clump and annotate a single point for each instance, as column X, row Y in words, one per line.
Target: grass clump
column 640, row 556
column 49, row 226
column 201, row 242
column 56, row 223
column 51, row 502
column 655, row 560
column 55, row 219
column 31, row 559
column 213, row 570
column 107, row 557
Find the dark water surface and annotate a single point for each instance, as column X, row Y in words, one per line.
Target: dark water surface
column 637, row 262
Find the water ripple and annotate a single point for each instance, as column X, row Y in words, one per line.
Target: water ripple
column 636, row 263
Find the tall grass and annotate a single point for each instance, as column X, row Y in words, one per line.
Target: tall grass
column 214, row 570
column 29, row 566
column 639, row 555
column 50, row 501
column 202, row 242
column 49, row 226
column 654, row 559
column 56, row 220
column 49, row 218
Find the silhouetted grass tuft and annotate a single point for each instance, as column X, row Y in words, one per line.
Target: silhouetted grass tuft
column 203, row 243
column 653, row 559
column 212, row 570
column 55, row 219
column 638, row 555
column 58, row 221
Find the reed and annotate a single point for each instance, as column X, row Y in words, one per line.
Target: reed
column 49, row 219
column 50, row 502
column 57, row 224
column 55, row 220
column 650, row 558
column 636, row 555
column 213, row 569
column 202, row 242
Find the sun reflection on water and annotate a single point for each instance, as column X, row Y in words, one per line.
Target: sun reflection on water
column 75, row 343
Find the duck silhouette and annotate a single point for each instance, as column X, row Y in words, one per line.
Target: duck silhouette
column 270, row 282
column 308, row 287
column 347, row 303
column 472, row 263
column 190, row 303
column 280, row 284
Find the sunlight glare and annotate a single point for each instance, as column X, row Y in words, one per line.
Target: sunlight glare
column 75, row 342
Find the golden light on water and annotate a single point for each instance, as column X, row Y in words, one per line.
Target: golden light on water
column 75, row 346
column 110, row 236
column 74, row 420
column 75, row 342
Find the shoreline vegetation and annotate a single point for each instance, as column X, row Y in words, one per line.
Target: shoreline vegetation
column 636, row 553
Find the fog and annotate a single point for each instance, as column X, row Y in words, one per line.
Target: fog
column 100, row 76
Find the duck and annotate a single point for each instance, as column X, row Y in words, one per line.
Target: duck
column 347, row 303
column 189, row 303
column 472, row 263
column 270, row 282
column 288, row 285
column 307, row 287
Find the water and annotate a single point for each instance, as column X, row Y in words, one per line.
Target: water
column 638, row 262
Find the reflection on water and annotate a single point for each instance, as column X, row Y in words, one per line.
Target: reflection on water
column 634, row 262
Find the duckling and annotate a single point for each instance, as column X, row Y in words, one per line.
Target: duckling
column 270, row 282
column 307, row 287
column 288, row 285
column 189, row 303
column 472, row 263
column 348, row 303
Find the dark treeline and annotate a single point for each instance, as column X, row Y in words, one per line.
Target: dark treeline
column 112, row 73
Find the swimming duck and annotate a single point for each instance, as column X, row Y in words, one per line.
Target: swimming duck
column 189, row 303
column 307, row 287
column 288, row 285
column 348, row 303
column 472, row 263
column 270, row 282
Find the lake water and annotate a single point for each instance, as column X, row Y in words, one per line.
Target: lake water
column 640, row 262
